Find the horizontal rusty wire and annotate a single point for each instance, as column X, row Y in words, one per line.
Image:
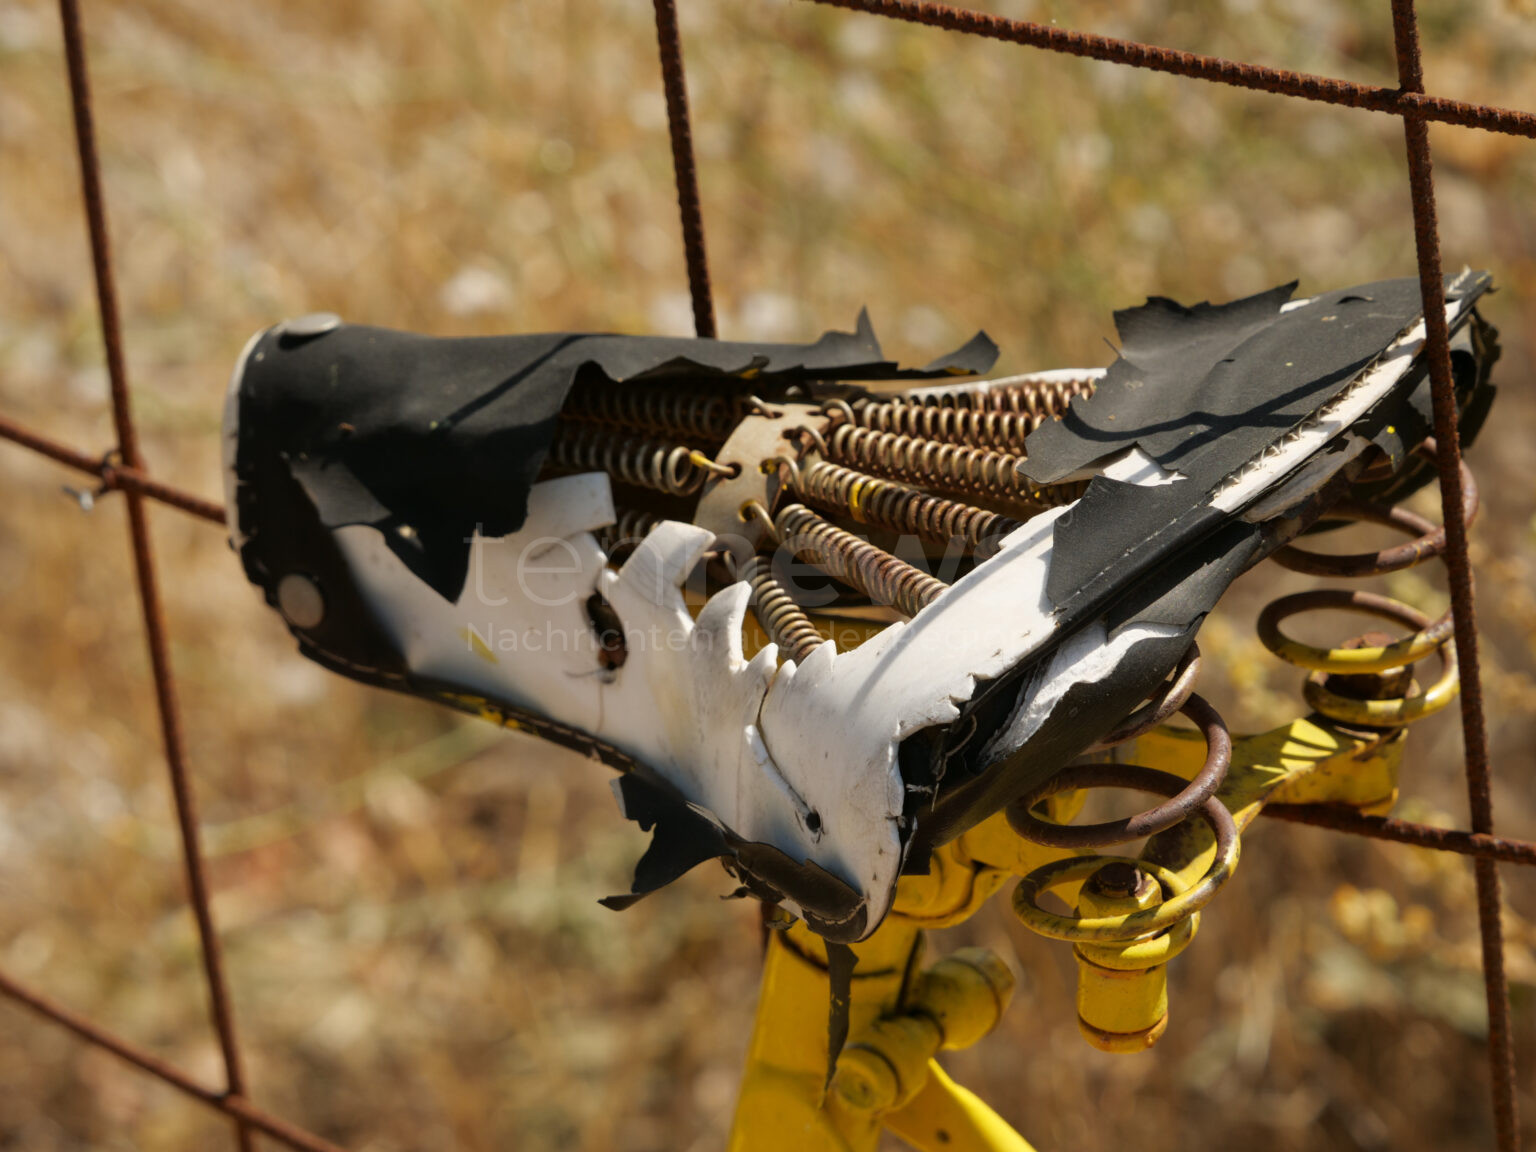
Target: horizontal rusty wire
column 1340, row 818
column 236, row 1107
column 1197, row 66
column 113, row 477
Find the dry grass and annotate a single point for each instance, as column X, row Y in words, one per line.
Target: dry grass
column 416, row 953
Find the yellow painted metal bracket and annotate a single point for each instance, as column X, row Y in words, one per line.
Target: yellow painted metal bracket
column 902, row 1014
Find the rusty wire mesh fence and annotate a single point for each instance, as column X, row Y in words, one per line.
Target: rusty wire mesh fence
column 124, row 470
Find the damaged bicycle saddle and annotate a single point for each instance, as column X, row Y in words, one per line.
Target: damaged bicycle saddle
column 613, row 542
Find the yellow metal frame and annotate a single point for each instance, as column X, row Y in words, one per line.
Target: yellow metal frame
column 902, row 1014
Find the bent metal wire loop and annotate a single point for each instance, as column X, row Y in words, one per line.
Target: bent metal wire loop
column 1175, row 810
column 1182, row 902
column 1167, row 700
column 124, row 471
column 1428, row 542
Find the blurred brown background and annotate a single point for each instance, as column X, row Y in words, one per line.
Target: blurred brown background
column 409, row 900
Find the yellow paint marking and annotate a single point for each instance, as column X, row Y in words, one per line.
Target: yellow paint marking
column 478, row 645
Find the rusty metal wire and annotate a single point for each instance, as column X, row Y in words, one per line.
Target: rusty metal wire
column 1340, row 818
column 123, row 470
column 1401, row 102
column 237, row 1107
column 113, row 477
column 144, row 565
column 1474, row 727
column 670, row 43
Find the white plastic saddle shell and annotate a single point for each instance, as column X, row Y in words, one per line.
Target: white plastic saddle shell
column 802, row 758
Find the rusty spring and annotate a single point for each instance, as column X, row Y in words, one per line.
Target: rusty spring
column 978, row 428
column 888, row 504
column 985, row 472
column 1175, row 810
column 1367, row 680
column 671, row 411
column 785, row 621
column 1042, row 399
column 1429, row 541
column 1169, row 698
column 997, row 417
column 672, row 468
column 843, row 556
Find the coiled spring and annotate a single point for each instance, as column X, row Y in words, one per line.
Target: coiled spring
column 985, row 472
column 1169, row 698
column 785, row 621
column 629, row 527
column 1178, row 808
column 843, row 556
column 898, row 507
column 1140, row 939
column 707, row 416
column 1362, row 694
column 672, row 468
column 1041, row 399
column 979, row 427
column 1148, row 937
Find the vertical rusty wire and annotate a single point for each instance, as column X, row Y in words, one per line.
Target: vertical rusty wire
column 1501, row 1054
column 143, row 560
column 684, row 167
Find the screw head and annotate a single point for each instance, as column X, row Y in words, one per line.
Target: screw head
column 865, row 1081
column 300, row 600
column 308, row 326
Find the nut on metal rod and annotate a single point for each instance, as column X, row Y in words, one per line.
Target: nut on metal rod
column 1119, row 1009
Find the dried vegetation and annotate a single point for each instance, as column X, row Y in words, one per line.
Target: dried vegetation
column 409, row 902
